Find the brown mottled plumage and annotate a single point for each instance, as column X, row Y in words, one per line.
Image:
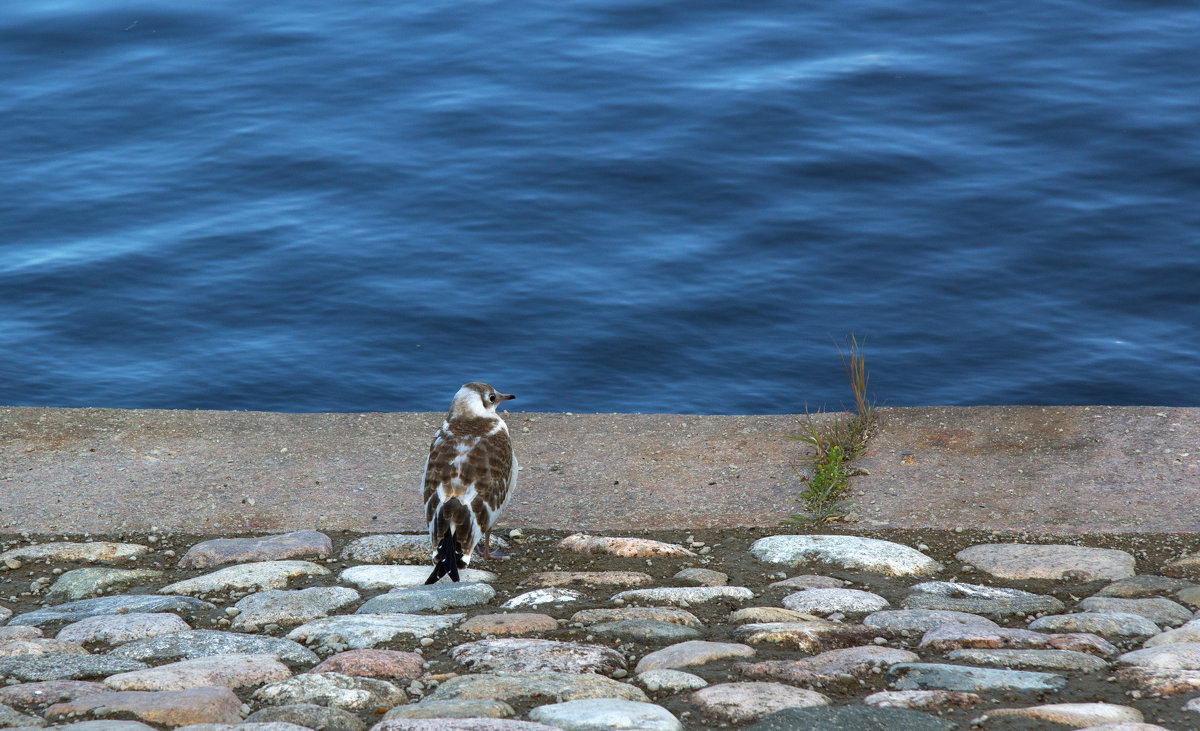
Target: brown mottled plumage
column 469, row 476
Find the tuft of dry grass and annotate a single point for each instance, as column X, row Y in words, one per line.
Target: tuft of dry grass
column 836, row 442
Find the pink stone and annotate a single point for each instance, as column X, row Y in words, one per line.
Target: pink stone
column 745, row 702
column 517, row 623
column 383, row 664
column 624, row 547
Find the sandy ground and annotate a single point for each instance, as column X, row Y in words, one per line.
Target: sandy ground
column 1057, row 470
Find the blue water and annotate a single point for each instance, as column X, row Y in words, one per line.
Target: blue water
column 599, row 206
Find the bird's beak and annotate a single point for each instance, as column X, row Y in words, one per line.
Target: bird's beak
column 505, row 396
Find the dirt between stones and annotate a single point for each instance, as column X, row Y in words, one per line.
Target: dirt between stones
column 538, row 551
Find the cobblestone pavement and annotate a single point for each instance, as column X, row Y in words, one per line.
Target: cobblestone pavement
column 739, row 628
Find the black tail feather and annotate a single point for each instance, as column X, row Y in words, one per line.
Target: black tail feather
column 449, row 554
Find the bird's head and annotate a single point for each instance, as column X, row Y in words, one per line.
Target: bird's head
column 477, row 400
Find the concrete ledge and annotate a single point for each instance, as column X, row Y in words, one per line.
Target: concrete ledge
column 1043, row 469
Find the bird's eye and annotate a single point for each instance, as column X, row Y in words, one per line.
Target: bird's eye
column 492, row 397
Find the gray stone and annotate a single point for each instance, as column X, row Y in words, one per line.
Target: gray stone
column 538, row 597
column 685, row 596
column 645, row 630
column 831, row 601
column 64, row 667
column 375, row 578
column 1054, row 562
column 167, row 708
column 1189, row 596
column 745, row 702
column 602, row 714
column 1173, row 656
column 808, row 581
column 308, row 715
column 299, row 544
column 115, row 629
column 20, row 632
column 389, row 549
column 547, row 579
column 1143, row 585
column 429, row 598
column 1189, row 632
column 1160, row 681
column 91, row 552
column 811, row 637
column 82, row 583
column 10, row 718
column 995, row 607
column 828, row 667
column 5, row 613
column 922, row 620
column 924, row 700
column 1111, row 625
column 358, row 631
column 959, row 636
column 850, row 718
column 285, row 607
column 102, row 726
column 764, row 615
column 230, row 671
column 619, row 546
column 661, row 614
column 1156, row 609
column 475, row 708
column 692, row 653
column 671, row 681
column 1073, row 715
column 519, row 688
column 459, row 724
column 246, row 577
column 702, row 577
column 198, row 643
column 852, row 553
column 244, row 726
column 934, row 676
column 1031, row 659
column 117, row 604
column 334, row 690
column 523, row 655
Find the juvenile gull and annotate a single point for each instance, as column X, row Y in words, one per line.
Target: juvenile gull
column 469, row 475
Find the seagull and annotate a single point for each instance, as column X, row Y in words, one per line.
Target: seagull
column 469, row 475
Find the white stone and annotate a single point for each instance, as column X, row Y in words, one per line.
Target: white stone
column 1172, row 656
column 554, row 595
column 231, row 671
column 672, row 681
column 359, row 631
column 70, row 551
column 257, row 576
column 1074, row 715
column 602, row 714
column 849, row 552
column 684, row 596
column 372, row 577
column 957, row 589
column 829, row 601
column 333, row 690
column 1189, row 632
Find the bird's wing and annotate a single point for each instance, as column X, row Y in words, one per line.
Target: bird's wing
column 495, row 466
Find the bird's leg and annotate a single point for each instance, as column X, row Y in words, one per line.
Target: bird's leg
column 487, row 543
